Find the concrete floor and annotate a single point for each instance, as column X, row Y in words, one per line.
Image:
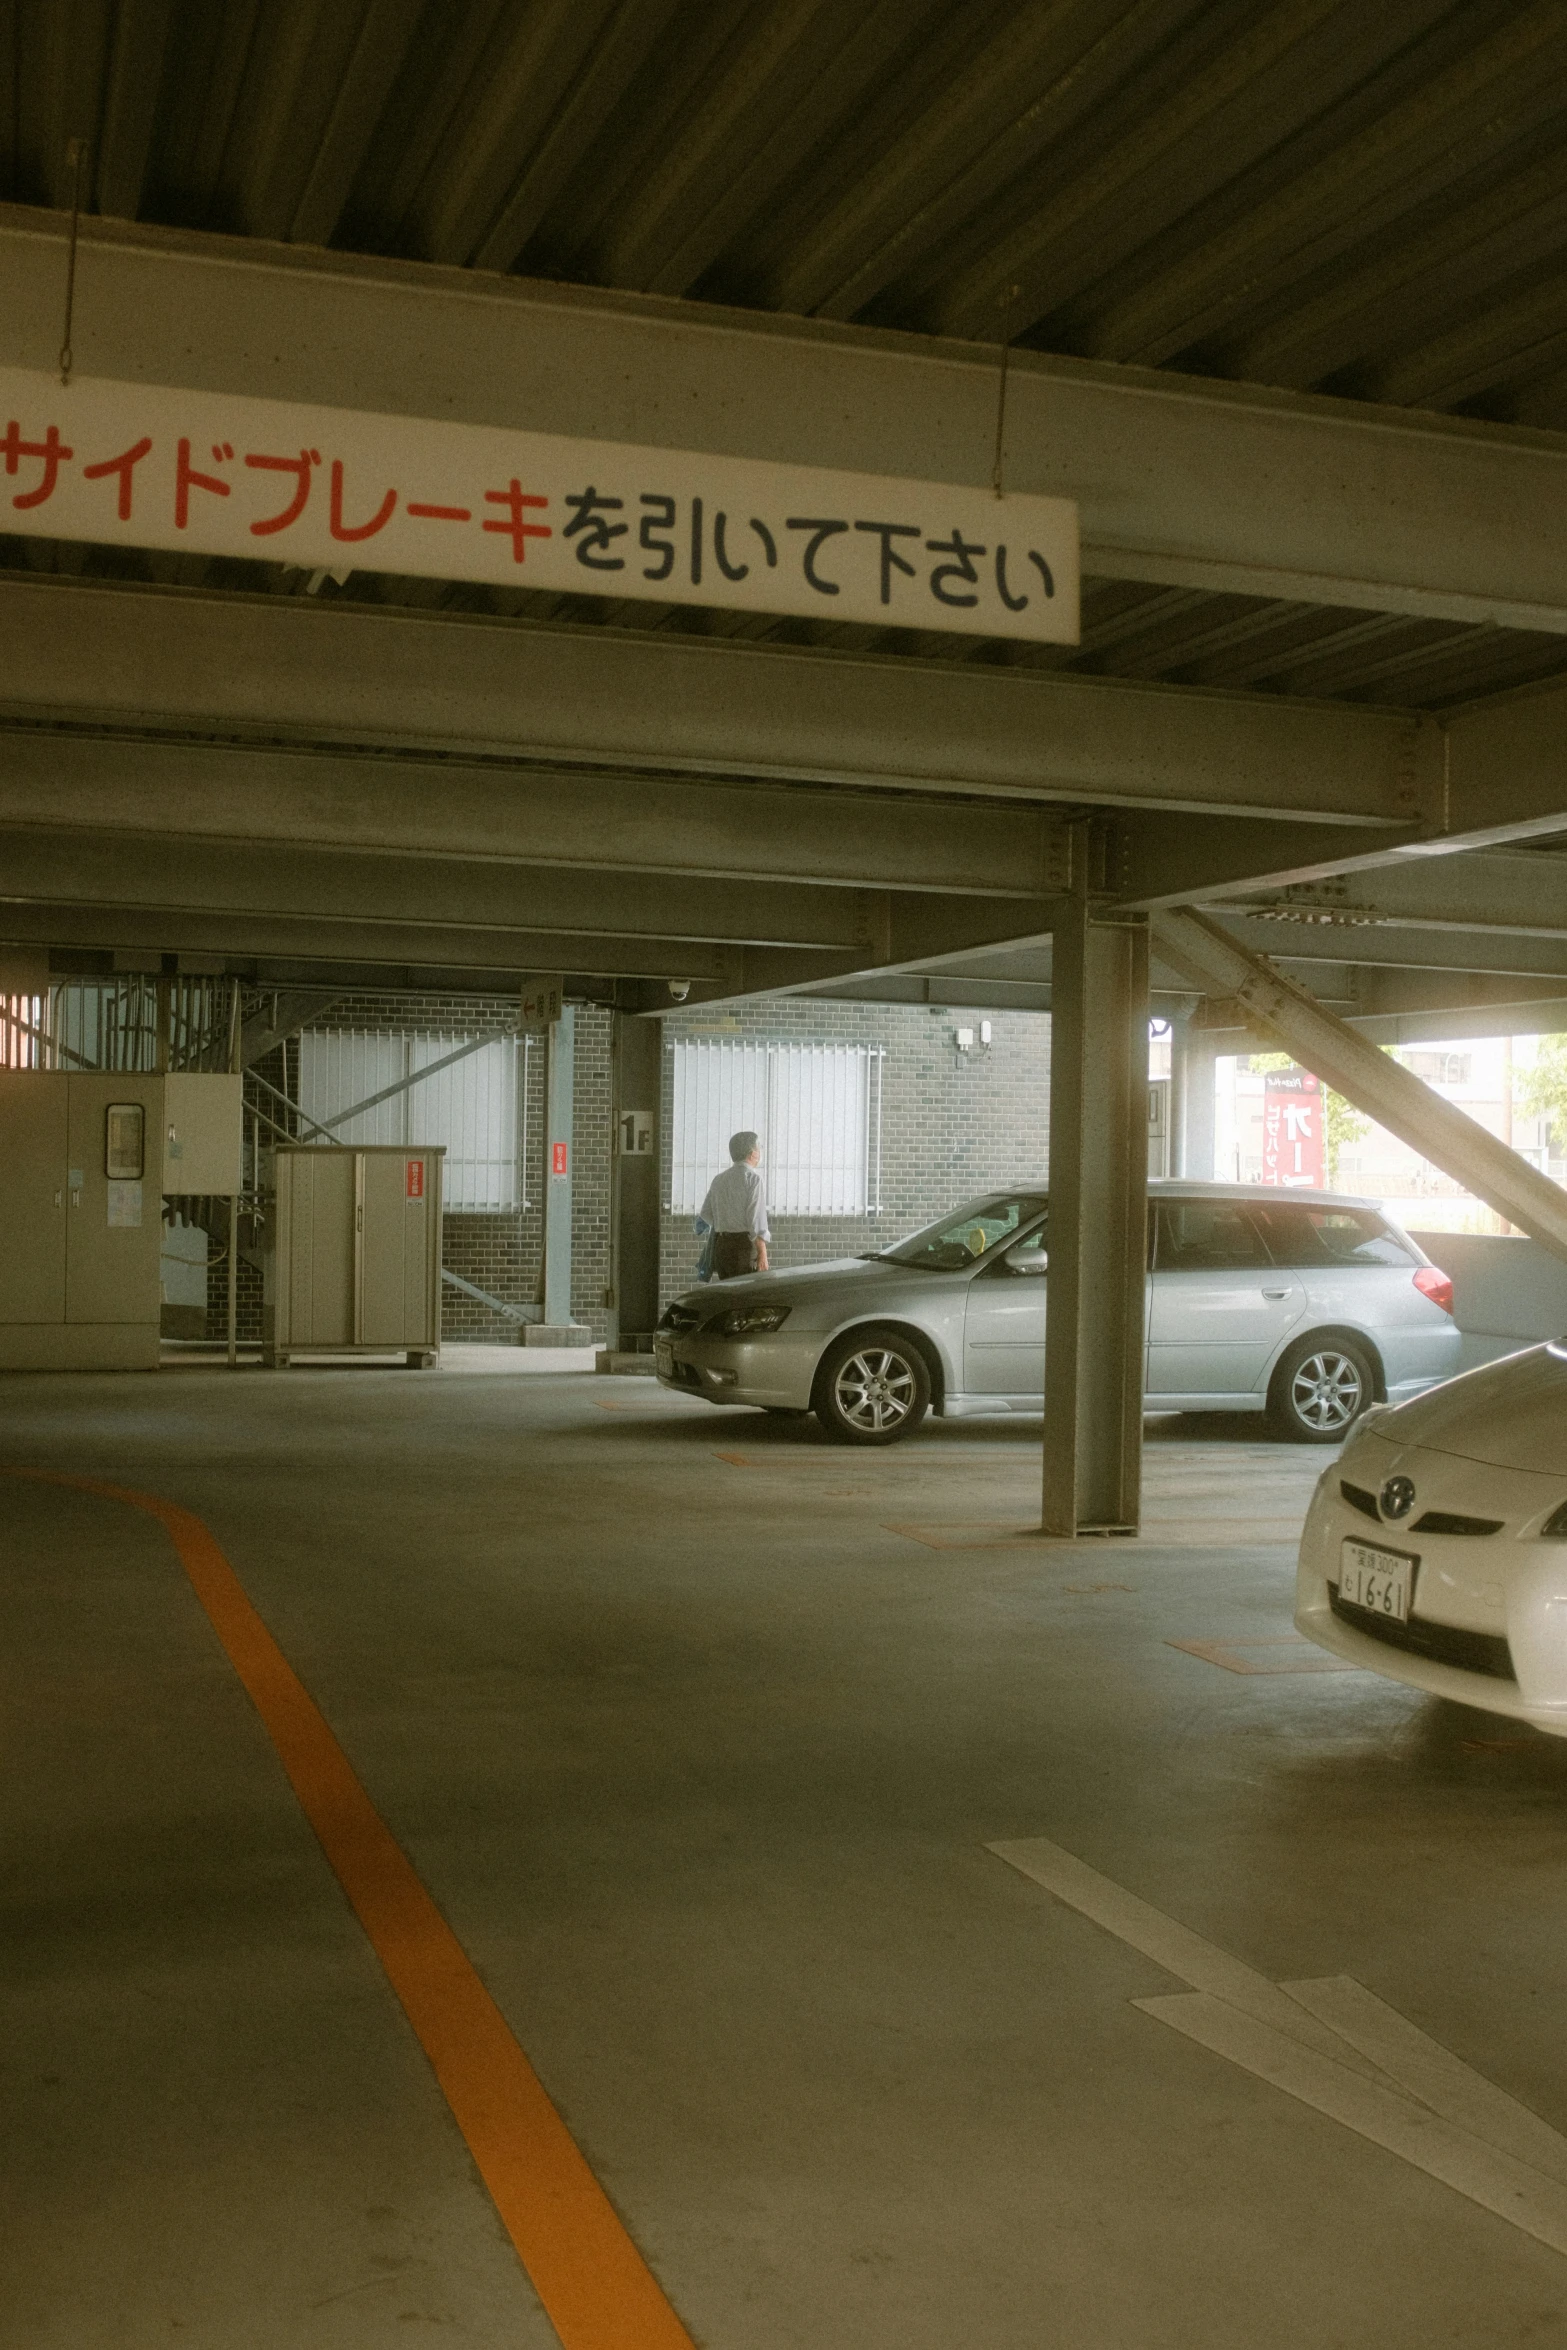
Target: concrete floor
column 697, row 1729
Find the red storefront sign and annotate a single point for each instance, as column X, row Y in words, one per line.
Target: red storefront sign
column 1292, row 1152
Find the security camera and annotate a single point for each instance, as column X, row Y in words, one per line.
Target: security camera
column 679, row 989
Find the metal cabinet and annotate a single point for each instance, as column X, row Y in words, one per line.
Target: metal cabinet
column 85, row 1158
column 81, row 1214
column 353, row 1253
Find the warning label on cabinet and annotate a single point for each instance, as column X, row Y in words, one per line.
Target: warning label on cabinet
column 124, row 1206
column 416, row 1178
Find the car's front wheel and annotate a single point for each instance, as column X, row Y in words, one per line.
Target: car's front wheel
column 1320, row 1389
column 872, row 1387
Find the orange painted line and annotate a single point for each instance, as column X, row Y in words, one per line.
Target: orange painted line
column 597, row 2290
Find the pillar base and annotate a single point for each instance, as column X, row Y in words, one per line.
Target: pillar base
column 557, row 1334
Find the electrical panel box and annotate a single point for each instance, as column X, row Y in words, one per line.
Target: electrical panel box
column 85, row 1159
column 202, row 1125
column 353, row 1252
column 81, row 1212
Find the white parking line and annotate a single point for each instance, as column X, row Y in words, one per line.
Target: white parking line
column 1336, row 2047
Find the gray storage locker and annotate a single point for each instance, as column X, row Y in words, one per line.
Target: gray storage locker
column 353, row 1252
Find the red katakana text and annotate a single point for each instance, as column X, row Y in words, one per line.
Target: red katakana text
column 513, row 498
column 186, row 479
column 124, row 465
column 300, row 468
column 363, row 530
column 51, row 449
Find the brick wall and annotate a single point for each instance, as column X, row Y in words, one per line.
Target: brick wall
column 502, row 1254
column 952, row 1123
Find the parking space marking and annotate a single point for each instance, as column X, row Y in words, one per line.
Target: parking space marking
column 1283, row 1652
column 1336, row 2047
column 1157, row 1534
column 597, row 2290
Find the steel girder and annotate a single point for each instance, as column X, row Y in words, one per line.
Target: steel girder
column 1199, row 946
column 1186, row 482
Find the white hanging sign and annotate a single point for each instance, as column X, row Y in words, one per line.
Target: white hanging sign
column 330, row 489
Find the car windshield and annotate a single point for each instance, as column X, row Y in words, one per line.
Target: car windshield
column 961, row 1239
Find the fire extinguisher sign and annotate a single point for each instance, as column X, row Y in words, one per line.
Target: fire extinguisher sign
column 558, row 1158
column 416, row 1178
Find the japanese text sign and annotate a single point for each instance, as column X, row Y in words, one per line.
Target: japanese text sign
column 335, row 490
column 559, row 1153
column 415, row 1178
column 541, row 1001
column 1292, row 1152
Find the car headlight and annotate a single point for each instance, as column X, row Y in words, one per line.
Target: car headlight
column 750, row 1321
column 1555, row 1527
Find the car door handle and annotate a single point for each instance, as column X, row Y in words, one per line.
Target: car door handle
column 1275, row 1293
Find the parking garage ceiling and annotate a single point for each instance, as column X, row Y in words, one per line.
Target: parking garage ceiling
column 1361, row 211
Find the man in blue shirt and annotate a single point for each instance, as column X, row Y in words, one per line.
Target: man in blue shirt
column 736, row 1208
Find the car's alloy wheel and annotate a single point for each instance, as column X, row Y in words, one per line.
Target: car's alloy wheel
column 872, row 1390
column 1320, row 1391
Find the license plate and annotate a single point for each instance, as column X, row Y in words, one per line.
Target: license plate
column 664, row 1359
column 1382, row 1581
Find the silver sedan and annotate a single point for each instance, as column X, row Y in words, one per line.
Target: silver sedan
column 1309, row 1306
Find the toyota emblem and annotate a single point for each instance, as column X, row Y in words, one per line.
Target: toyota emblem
column 1397, row 1498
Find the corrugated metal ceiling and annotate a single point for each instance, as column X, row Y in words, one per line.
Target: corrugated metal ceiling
column 1313, row 194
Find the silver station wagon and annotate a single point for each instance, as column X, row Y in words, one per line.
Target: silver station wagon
column 1307, row 1305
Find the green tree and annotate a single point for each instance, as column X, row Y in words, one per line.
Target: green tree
column 1341, row 1122
column 1542, row 1087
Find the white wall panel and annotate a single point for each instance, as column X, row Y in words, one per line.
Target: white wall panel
column 471, row 1107
column 817, row 1109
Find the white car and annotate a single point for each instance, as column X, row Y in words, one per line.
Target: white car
column 1435, row 1548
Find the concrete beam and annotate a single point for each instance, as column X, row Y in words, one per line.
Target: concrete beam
column 1197, row 945
column 1485, row 892
column 226, row 878
column 291, row 669
column 1183, row 481
column 1404, row 946
column 1154, row 859
column 505, row 811
column 1505, row 764
column 329, row 946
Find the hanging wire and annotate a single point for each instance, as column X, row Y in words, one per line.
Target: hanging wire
column 997, row 481
column 75, row 156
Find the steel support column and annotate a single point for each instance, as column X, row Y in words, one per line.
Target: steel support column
column 637, row 1075
column 1193, row 1053
column 1094, row 1338
column 559, row 1085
